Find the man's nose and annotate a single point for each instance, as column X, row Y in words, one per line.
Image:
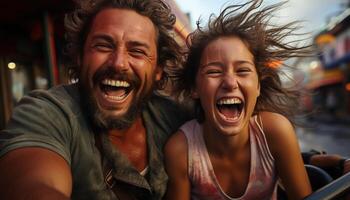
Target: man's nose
column 120, row 60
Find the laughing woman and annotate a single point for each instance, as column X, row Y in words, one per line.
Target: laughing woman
column 242, row 140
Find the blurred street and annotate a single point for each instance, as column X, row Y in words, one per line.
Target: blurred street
column 326, row 133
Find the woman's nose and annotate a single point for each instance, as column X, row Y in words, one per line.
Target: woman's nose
column 230, row 82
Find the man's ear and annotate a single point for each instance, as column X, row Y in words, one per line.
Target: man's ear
column 158, row 73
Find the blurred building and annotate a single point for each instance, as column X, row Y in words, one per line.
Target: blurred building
column 328, row 75
column 31, row 45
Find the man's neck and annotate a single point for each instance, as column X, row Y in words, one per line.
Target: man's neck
column 132, row 143
column 131, row 131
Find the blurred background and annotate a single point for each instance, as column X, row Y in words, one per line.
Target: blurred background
column 31, row 54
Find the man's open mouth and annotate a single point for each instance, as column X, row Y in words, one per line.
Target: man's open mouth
column 231, row 108
column 116, row 90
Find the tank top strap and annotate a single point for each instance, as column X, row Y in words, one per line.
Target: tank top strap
column 260, row 139
column 195, row 144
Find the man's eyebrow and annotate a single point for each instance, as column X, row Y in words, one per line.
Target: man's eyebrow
column 105, row 37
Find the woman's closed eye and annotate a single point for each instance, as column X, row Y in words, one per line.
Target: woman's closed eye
column 244, row 70
column 213, row 71
column 212, row 68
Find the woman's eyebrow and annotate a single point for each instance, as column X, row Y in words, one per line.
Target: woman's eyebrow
column 216, row 63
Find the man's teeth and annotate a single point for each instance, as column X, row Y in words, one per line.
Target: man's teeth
column 115, row 83
column 115, row 97
column 229, row 101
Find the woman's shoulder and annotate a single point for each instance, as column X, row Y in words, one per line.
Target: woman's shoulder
column 176, row 155
column 176, row 144
column 278, row 130
column 273, row 122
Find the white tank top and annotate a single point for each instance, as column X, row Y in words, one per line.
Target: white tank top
column 204, row 185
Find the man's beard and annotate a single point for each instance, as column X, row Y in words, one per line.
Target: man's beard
column 100, row 119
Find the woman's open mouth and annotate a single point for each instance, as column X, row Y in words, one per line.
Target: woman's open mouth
column 231, row 108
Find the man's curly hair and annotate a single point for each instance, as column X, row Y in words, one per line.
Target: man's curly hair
column 78, row 22
column 252, row 24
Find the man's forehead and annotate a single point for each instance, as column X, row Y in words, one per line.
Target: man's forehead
column 124, row 21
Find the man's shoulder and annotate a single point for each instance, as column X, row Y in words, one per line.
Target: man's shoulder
column 167, row 107
column 44, row 118
column 61, row 96
column 159, row 100
column 59, row 92
column 165, row 113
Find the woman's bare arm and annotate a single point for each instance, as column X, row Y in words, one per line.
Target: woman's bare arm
column 285, row 149
column 176, row 166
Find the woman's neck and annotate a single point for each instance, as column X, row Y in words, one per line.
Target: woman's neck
column 225, row 145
